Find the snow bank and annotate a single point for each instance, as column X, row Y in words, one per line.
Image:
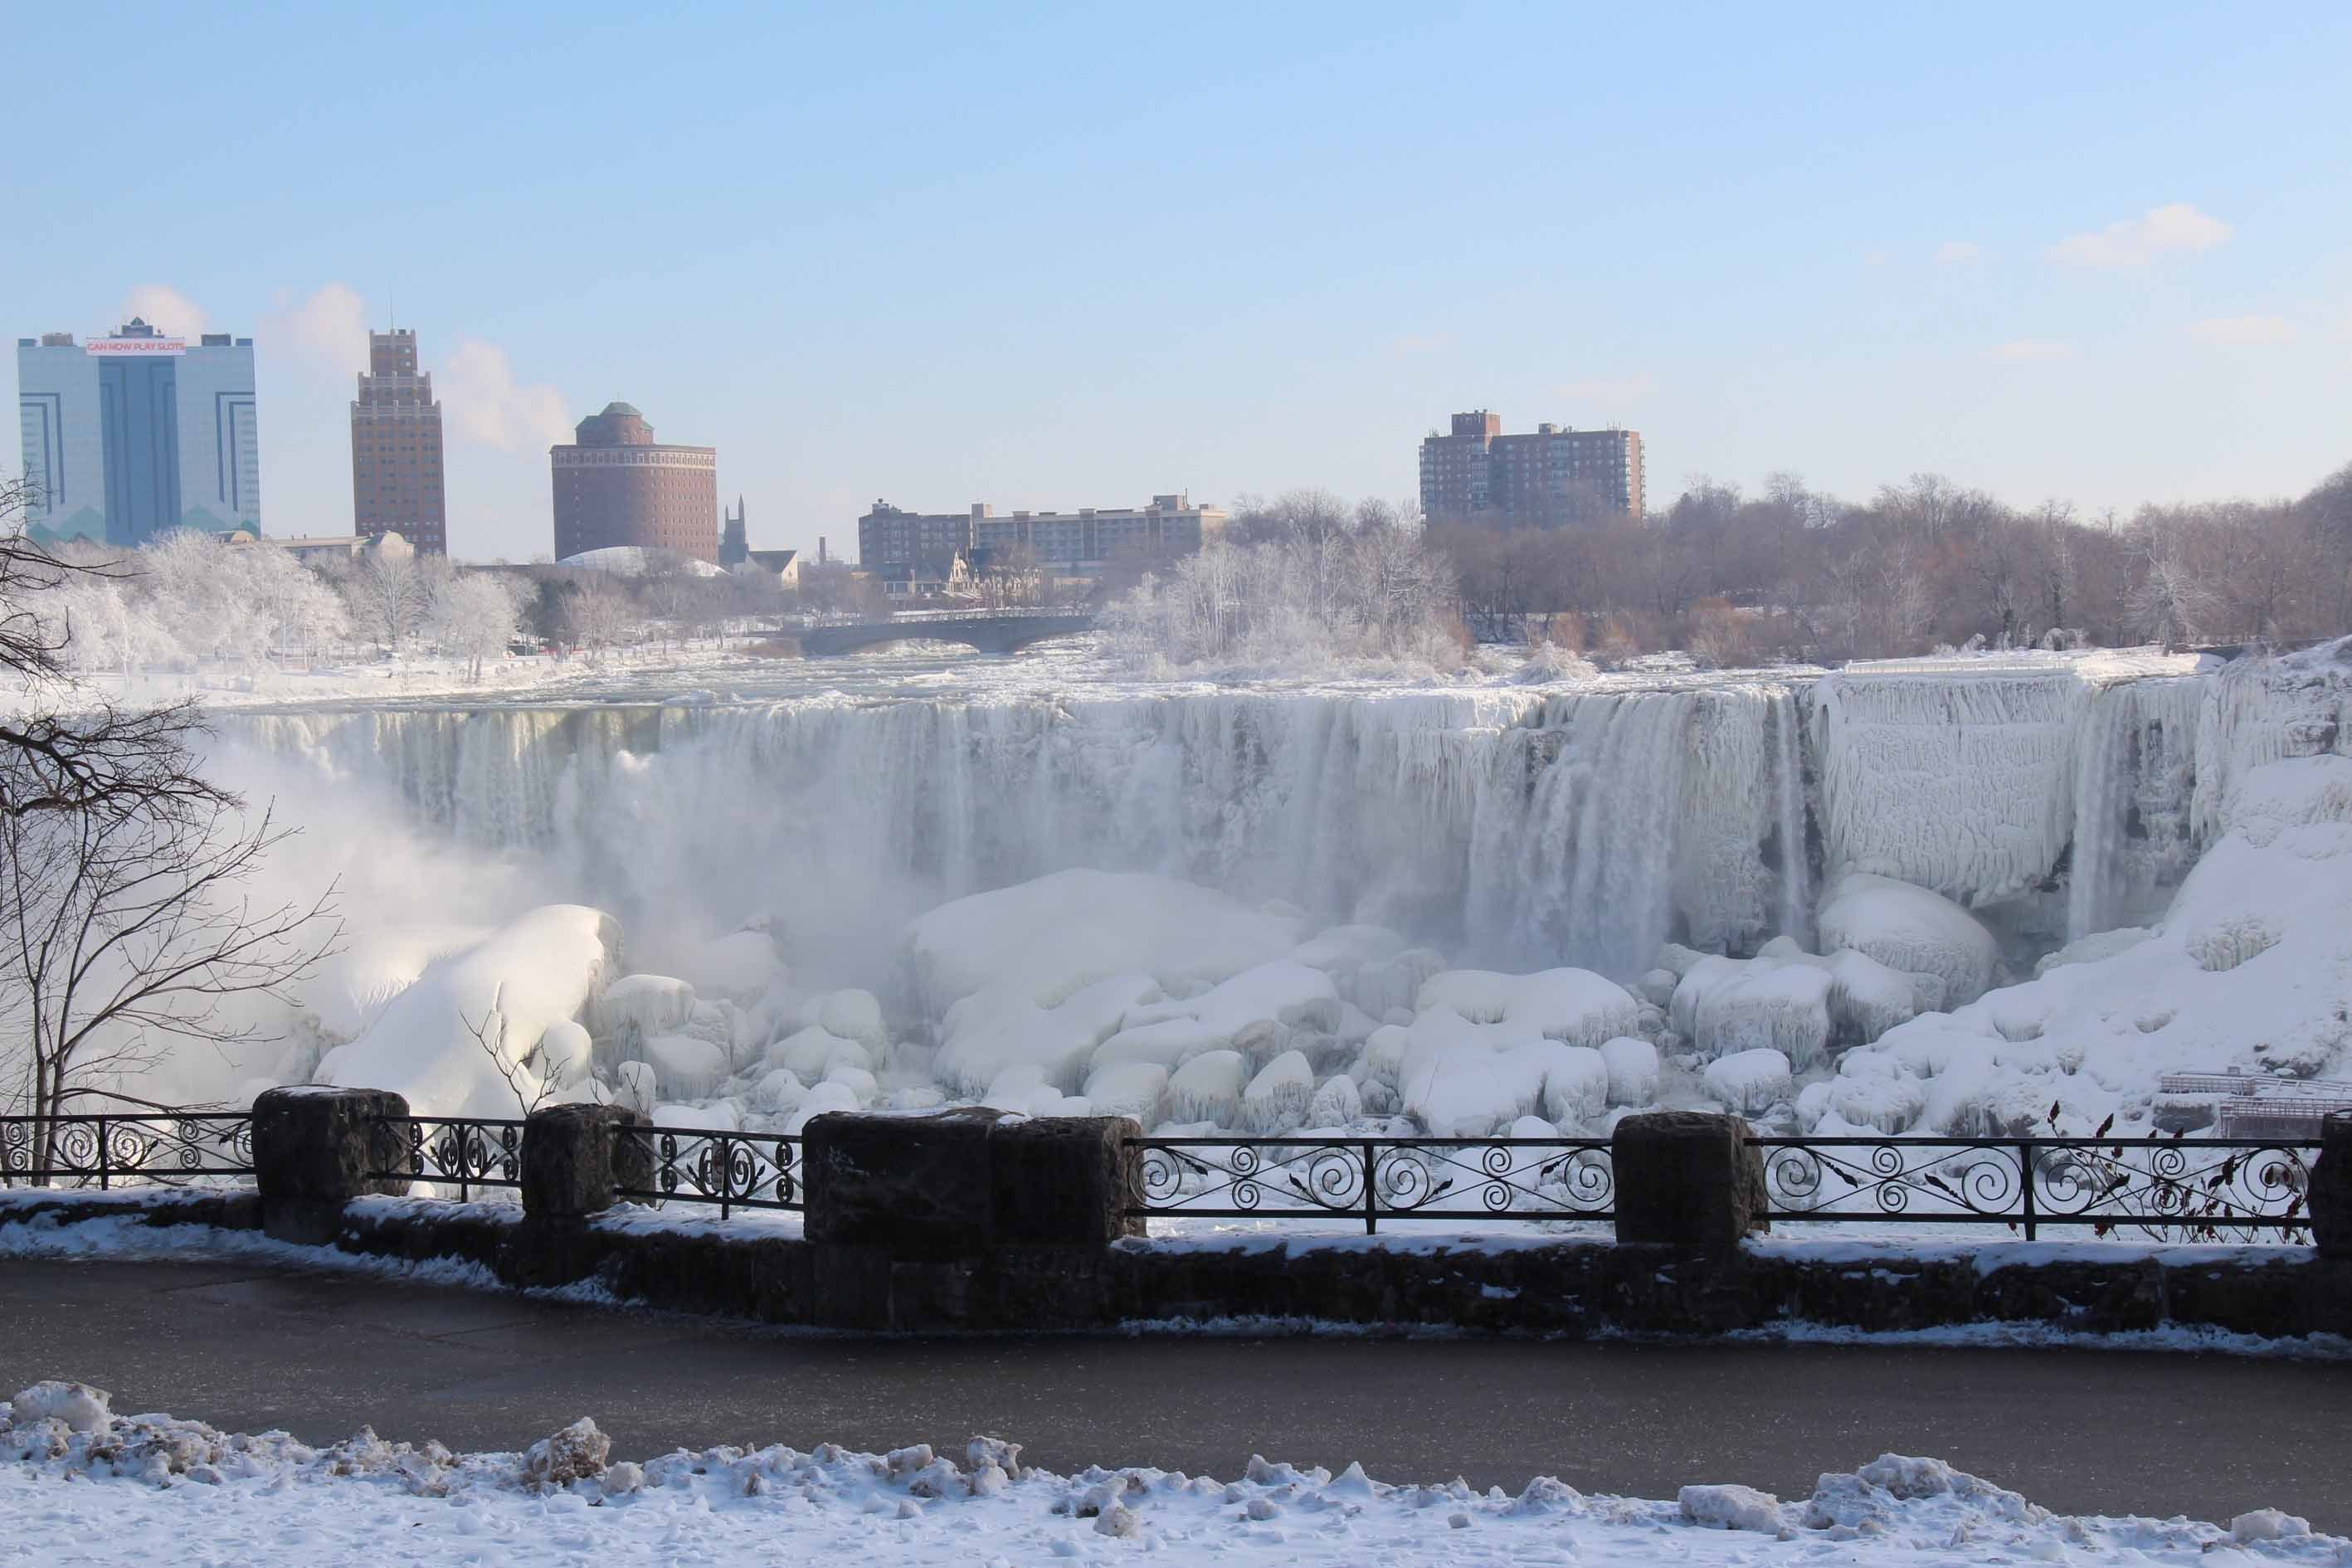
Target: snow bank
column 2249, row 968
column 541, row 968
column 147, row 1485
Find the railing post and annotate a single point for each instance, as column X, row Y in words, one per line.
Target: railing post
column 105, row 1146
column 1371, row 1192
column 2025, row 1184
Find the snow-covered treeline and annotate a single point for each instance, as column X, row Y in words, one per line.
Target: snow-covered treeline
column 1302, row 581
column 190, row 600
column 1741, row 578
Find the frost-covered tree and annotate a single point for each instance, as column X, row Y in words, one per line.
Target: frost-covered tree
column 474, row 618
column 1312, row 584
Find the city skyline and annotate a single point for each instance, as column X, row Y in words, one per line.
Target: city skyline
column 1922, row 262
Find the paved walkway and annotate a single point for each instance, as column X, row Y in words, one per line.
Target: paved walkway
column 323, row 1354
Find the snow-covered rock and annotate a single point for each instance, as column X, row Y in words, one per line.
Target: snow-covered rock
column 1750, row 1082
column 1277, row 1099
column 1209, row 1089
column 1633, row 1068
column 1138, row 1090
column 1911, row 929
column 1575, row 1006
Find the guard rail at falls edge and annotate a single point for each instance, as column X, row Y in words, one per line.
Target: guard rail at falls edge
column 2175, row 1188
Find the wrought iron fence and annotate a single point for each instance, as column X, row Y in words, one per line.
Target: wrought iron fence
column 1373, row 1179
column 2202, row 1189
column 171, row 1147
column 464, row 1152
column 2206, row 1189
column 733, row 1170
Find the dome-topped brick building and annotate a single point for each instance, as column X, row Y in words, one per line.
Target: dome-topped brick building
column 615, row 485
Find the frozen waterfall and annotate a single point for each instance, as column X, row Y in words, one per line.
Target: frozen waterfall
column 1514, row 827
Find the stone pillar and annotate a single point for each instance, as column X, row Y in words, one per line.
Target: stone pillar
column 314, row 1149
column 1063, row 1181
column 955, row 1220
column 576, row 1157
column 2331, row 1189
column 915, row 1186
column 1688, row 1179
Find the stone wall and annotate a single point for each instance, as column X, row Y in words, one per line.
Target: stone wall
column 974, row 1220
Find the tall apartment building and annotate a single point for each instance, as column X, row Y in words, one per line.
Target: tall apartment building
column 396, row 479
column 1555, row 476
column 138, row 433
column 615, row 485
column 890, row 536
column 1073, row 543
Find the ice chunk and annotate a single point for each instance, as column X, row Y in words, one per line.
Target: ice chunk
column 1278, row 1097
column 1750, row 1082
column 1732, row 1508
column 1533, row 1127
column 77, row 1406
column 1633, row 1067
column 634, row 1086
column 1911, row 929
column 1209, row 1089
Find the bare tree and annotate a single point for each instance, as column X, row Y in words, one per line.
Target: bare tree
column 123, row 932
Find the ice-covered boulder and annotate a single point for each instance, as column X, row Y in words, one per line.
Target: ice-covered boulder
column 1867, row 998
column 634, row 1086
column 1209, row 1089
column 1386, row 986
column 1138, row 1090
column 990, row 1031
column 1913, row 929
column 854, row 1016
column 566, row 1056
column 1726, row 1005
column 812, row 1052
column 1044, row 941
column 684, row 1067
column 823, row 1100
column 1277, row 1099
column 1574, row 1006
column 1633, row 1068
column 638, row 1006
column 543, row 967
column 1337, row 1102
column 1256, row 1007
column 1751, row 1083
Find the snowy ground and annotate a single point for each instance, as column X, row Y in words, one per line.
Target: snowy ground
column 79, row 1484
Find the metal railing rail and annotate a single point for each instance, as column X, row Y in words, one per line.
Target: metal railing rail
column 169, row 1147
column 2204, row 1189
column 466, row 1151
column 733, row 1170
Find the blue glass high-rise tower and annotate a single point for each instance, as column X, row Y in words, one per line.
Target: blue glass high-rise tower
column 138, row 433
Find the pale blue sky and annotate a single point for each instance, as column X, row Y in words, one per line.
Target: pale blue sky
column 1072, row 256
